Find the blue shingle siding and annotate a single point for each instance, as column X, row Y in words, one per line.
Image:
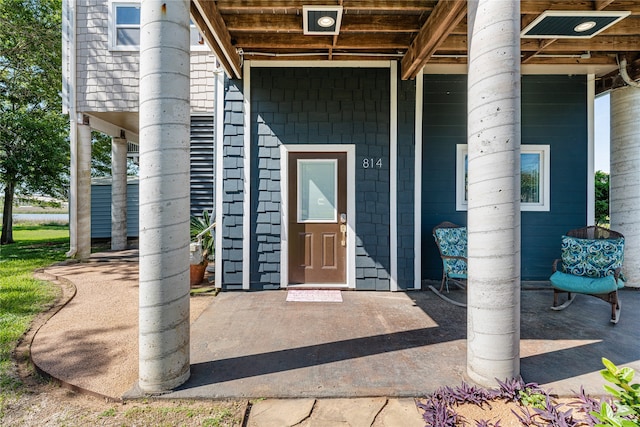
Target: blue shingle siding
column 321, row 106
column 405, row 179
column 232, row 194
column 101, row 207
column 554, row 112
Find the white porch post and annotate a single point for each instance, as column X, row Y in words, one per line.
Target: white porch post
column 493, row 216
column 624, row 192
column 164, row 195
column 118, row 194
column 83, row 191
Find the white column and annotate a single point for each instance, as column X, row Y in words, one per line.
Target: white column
column 164, row 195
column 83, row 191
column 118, row 194
column 624, row 190
column 493, row 217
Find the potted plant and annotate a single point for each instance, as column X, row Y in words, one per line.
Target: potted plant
column 202, row 245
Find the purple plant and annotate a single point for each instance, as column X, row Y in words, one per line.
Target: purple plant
column 438, row 414
column 587, row 404
column 510, row 389
column 466, row 393
column 552, row 415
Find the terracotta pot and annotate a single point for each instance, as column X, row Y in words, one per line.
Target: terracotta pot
column 197, row 273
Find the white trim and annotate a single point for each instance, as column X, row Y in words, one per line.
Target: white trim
column 219, row 165
column 350, row 150
column 545, row 164
column 320, row 64
column 461, row 152
column 417, row 207
column 393, row 178
column 246, row 171
column 591, row 184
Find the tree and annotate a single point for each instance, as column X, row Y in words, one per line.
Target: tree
column 602, row 197
column 101, row 156
column 34, row 149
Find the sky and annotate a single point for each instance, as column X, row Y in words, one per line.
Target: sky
column 602, row 115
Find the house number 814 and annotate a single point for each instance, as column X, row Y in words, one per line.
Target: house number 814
column 368, row 163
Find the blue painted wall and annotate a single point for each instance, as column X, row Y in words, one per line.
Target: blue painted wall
column 232, row 184
column 406, row 177
column 554, row 112
column 321, row 106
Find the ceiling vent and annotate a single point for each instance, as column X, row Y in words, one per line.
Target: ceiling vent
column 557, row 24
column 321, row 20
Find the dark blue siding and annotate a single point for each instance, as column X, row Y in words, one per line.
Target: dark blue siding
column 232, row 194
column 321, row 106
column 406, row 172
column 554, row 112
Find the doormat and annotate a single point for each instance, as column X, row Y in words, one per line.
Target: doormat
column 313, row 295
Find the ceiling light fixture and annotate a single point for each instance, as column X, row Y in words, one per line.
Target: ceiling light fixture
column 321, row 20
column 567, row 24
column 326, row 21
column 584, row 26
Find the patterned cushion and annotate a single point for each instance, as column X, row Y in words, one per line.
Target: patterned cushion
column 591, row 257
column 453, row 242
column 585, row 285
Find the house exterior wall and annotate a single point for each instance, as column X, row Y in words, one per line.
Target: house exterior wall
column 101, row 208
column 321, row 106
column 406, row 179
column 232, row 184
column 107, row 80
column 305, row 106
column 554, row 112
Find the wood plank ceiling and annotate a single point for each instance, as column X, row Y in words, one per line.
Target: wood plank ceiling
column 414, row 32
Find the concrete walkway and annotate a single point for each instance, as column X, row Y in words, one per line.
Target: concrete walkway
column 364, row 358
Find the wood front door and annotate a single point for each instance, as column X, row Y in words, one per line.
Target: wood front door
column 317, row 218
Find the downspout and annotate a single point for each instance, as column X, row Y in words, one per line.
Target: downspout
column 625, row 76
column 71, row 108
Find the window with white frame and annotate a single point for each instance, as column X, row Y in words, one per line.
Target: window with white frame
column 124, row 28
column 534, row 177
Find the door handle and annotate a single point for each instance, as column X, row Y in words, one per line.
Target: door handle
column 343, row 230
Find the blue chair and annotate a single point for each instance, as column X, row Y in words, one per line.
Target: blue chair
column 591, row 264
column 451, row 240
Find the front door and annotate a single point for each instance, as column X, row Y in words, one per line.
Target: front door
column 317, row 218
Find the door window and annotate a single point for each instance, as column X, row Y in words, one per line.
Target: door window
column 317, row 190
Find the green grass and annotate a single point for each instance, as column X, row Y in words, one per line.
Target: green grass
column 21, row 296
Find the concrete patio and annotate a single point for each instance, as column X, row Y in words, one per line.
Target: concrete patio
column 258, row 345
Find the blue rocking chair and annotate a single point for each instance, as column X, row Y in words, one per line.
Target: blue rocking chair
column 451, row 240
column 591, row 264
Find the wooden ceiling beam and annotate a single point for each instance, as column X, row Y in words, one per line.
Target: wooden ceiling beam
column 295, row 6
column 598, row 5
column 257, row 23
column 393, row 41
column 444, row 18
column 213, row 28
column 596, row 44
column 536, row 7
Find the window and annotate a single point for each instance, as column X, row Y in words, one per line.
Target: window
column 317, row 190
column 124, row 28
column 534, row 177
